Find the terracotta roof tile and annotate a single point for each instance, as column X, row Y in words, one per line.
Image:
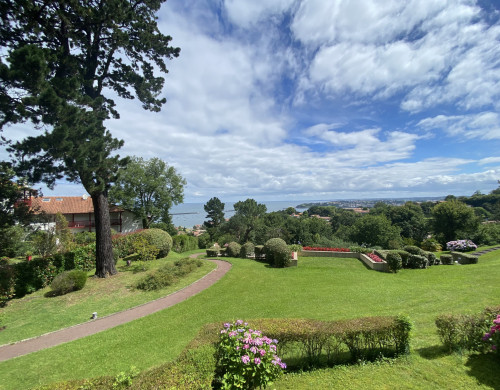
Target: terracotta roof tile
column 65, row 205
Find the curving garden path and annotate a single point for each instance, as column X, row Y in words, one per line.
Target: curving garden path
column 65, row 335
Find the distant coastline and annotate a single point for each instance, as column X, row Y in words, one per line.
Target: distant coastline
column 191, row 214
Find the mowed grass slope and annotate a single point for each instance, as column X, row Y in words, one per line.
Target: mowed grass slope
column 319, row 288
column 36, row 314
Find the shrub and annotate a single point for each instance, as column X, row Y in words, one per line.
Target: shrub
column 144, row 250
column 431, row 245
column 183, row 243
column 68, row 281
column 432, row 258
column 245, row 358
column 7, row 281
column 247, row 249
column 461, row 246
column 44, row 243
column 124, row 243
column 84, row 257
column 168, row 274
column 233, row 249
column 204, row 241
column 493, row 335
column 158, row 238
column 277, row 253
column 465, row 332
column 446, row 259
column 414, row 250
column 394, row 261
column 464, row 258
column 417, row 262
column 84, row 238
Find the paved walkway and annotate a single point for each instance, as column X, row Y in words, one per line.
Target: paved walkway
column 479, row 253
column 91, row 327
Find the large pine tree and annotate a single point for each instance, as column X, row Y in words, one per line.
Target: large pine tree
column 64, row 59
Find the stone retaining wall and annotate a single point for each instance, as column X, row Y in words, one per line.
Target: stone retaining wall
column 383, row 267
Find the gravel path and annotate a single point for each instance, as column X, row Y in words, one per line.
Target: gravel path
column 65, row 335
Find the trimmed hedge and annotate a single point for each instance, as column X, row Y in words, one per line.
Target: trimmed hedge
column 312, row 343
column 394, row 261
column 158, row 238
column 465, row 332
column 447, row 259
column 417, row 262
column 464, row 258
column 247, row 249
column 277, row 253
column 68, row 281
column 233, row 249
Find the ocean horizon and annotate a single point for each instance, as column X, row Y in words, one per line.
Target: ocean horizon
column 191, row 214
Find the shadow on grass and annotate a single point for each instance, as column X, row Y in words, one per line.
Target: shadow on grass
column 433, row 352
column 485, row 368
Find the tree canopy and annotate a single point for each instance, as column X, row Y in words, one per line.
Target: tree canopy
column 63, row 60
column 149, row 188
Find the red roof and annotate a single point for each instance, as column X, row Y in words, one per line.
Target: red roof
column 66, row 205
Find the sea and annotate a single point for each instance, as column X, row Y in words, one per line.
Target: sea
column 189, row 215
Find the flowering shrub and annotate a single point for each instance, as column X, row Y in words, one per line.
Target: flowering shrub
column 493, row 336
column 461, row 246
column 313, row 248
column 245, row 358
column 375, row 258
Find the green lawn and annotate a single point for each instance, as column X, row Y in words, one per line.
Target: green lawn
column 319, row 288
column 36, row 314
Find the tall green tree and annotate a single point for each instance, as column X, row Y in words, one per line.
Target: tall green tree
column 215, row 214
column 453, row 220
column 62, row 61
column 149, row 188
column 247, row 218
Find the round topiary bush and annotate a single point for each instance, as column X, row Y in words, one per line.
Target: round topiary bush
column 233, row 249
column 68, row 281
column 247, row 249
column 394, row 261
column 417, row 262
column 414, row 250
column 158, row 238
column 277, row 253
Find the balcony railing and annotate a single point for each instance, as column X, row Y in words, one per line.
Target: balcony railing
column 86, row 224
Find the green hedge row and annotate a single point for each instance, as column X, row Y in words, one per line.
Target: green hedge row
column 184, row 243
column 124, row 243
column 458, row 332
column 312, row 343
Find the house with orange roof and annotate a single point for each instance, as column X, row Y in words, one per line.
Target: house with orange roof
column 79, row 212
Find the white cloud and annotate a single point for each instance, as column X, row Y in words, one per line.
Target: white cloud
column 245, row 13
column 485, row 125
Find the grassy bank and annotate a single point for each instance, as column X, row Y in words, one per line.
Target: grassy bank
column 319, row 288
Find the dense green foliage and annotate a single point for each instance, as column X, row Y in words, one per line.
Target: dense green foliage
column 233, row 249
column 277, row 253
column 459, row 332
column 184, row 243
column 60, row 61
column 68, row 281
column 453, row 220
column 168, row 274
column 149, row 188
column 159, row 239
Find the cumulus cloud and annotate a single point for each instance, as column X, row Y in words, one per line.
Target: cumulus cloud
column 484, row 125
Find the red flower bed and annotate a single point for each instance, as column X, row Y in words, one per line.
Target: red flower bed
column 375, row 258
column 314, row 248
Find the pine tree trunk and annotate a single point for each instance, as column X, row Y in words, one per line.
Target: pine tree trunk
column 105, row 265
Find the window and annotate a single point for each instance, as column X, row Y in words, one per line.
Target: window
column 59, row 199
column 46, row 200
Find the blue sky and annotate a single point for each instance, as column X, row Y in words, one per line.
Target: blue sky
column 309, row 99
